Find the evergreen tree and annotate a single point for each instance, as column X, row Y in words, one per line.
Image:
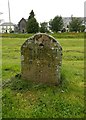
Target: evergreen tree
column 32, row 15
column 32, row 24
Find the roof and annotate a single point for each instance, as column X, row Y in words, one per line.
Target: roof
column 7, row 24
column 22, row 19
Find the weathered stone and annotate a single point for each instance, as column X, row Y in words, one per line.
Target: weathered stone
column 41, row 59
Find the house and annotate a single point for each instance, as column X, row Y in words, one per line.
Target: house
column 22, row 25
column 67, row 20
column 7, row 27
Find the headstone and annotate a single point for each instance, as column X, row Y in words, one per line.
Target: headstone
column 41, row 59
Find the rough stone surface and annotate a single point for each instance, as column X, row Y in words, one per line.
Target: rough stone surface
column 41, row 59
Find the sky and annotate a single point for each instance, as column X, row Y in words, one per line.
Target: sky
column 44, row 9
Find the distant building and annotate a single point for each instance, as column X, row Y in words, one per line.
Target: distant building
column 67, row 20
column 22, row 25
column 7, row 27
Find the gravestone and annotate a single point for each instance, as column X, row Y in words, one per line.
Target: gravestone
column 41, row 59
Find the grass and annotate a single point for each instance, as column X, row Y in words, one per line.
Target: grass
column 56, row 35
column 22, row 99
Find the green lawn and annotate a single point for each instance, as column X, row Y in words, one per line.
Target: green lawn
column 29, row 100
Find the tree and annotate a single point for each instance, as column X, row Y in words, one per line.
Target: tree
column 32, row 24
column 82, row 28
column 56, row 24
column 44, row 27
column 32, row 15
column 75, row 24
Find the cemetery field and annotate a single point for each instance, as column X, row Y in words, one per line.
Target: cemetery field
column 29, row 100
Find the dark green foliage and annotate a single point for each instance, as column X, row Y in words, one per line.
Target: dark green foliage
column 32, row 26
column 75, row 24
column 82, row 28
column 44, row 27
column 56, row 24
column 31, row 14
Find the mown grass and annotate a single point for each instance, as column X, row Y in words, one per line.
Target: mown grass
column 56, row 35
column 22, row 99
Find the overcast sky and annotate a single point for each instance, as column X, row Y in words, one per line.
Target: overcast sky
column 44, row 9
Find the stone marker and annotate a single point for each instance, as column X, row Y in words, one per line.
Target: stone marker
column 41, row 59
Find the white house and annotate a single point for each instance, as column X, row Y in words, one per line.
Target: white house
column 6, row 27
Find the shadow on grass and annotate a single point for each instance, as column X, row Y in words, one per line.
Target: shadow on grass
column 20, row 85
